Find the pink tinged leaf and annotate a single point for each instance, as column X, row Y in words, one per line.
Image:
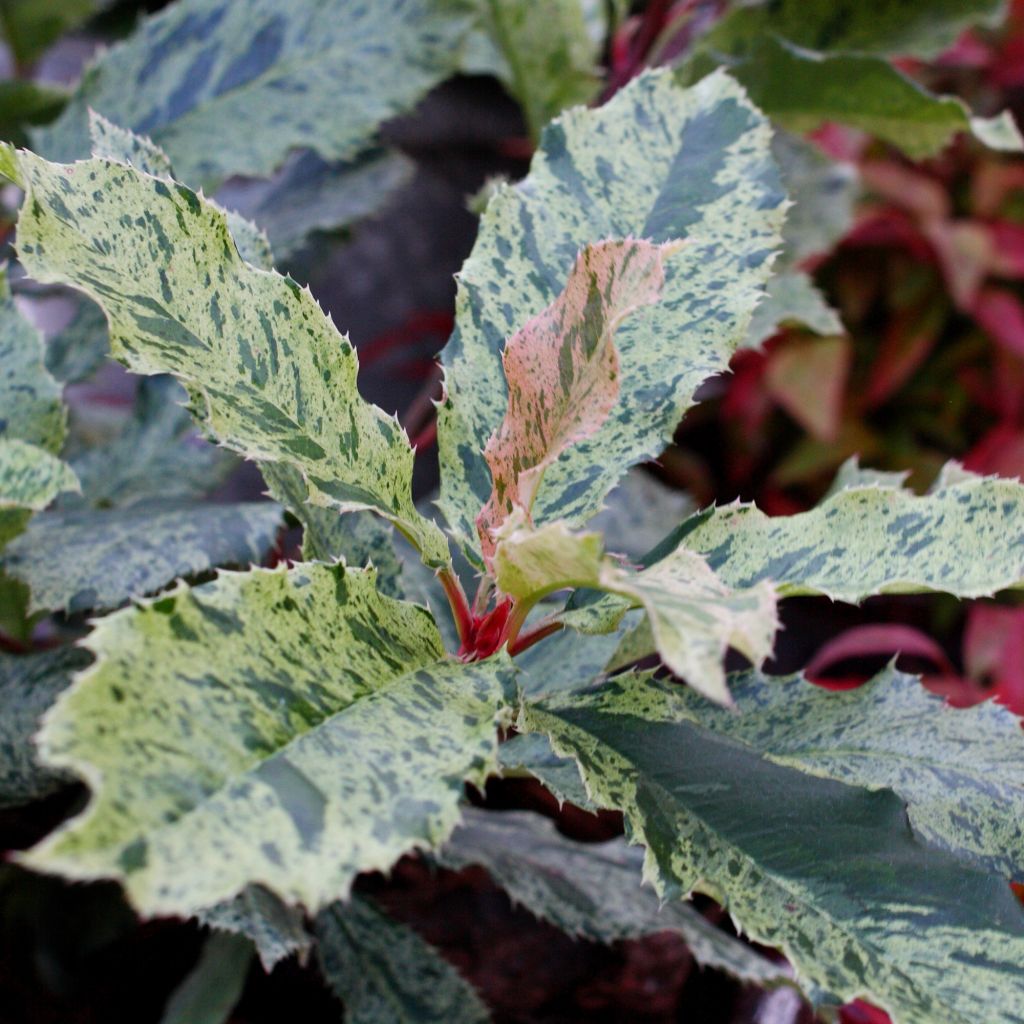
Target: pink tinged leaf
column 807, row 377
column 965, row 252
column 1000, row 313
column 994, row 651
column 562, row 370
column 884, row 639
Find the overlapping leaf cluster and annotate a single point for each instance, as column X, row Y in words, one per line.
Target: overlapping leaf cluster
column 254, row 743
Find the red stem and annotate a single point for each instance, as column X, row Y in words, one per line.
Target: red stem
column 529, row 638
column 426, row 437
column 459, row 605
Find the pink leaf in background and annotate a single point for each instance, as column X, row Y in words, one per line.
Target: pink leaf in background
column 1000, row 314
column 886, row 639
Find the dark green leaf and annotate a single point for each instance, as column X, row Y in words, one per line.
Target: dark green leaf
column 96, row 559
column 386, row 974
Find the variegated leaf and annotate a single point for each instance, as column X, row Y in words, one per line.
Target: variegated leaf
column 564, row 662
column 591, row 890
column 30, row 399
column 542, row 53
column 694, row 617
column 852, row 474
column 290, row 728
column 230, row 86
column 275, row 929
column 637, row 513
column 960, row 771
column 30, row 477
column 823, row 191
column 803, row 90
column 311, row 194
column 29, row 684
column 79, row 348
column 269, row 374
column 892, row 27
column 532, row 753
column 386, row 974
column 657, row 162
column 360, row 538
column 792, row 298
column 830, row 873
column 966, row 539
column 562, row 372
column 155, row 456
column 97, row 559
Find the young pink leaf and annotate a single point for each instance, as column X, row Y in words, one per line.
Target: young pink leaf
column 563, row 371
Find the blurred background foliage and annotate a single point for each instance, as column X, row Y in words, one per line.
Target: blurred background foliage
column 911, row 230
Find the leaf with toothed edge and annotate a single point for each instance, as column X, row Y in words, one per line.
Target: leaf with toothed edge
column 802, row 90
column 30, row 477
column 29, row 684
column 31, row 409
column 897, row 28
column 156, row 456
column 657, row 162
column 693, row 616
column 562, row 372
column 222, row 754
column 276, row 930
column 960, row 770
column 386, row 974
column 830, row 873
column 99, row 558
column 270, row 375
column 229, row 87
column 965, row 539
column 591, row 890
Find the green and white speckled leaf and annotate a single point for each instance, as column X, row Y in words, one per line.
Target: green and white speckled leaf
column 967, row 540
column 289, row 728
column 275, row 929
column 386, row 974
column 922, row 28
column 830, row 873
column 211, row 989
column 155, row 457
column 30, row 477
column 568, row 661
column 230, row 86
column 531, row 752
column 269, row 374
column 29, row 684
column 542, row 53
column 96, row 559
column 562, row 372
column 357, row 537
column 852, row 474
column 112, row 142
column 803, row 90
column 792, row 298
column 311, row 194
column 638, row 514
column 591, row 890
column 657, row 162
column 694, row 617
column 960, row 771
column 78, row 349
column 823, row 192
column 30, row 399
